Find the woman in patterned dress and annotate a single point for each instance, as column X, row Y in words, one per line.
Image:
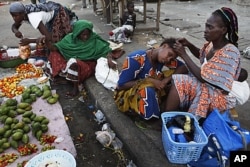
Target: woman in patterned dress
column 142, row 83
column 208, row 86
column 50, row 18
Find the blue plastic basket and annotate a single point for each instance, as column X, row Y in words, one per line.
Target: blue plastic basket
column 182, row 153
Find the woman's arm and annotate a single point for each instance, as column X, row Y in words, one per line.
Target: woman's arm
column 15, row 29
column 194, row 50
column 193, row 68
column 43, row 30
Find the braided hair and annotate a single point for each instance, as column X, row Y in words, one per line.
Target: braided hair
column 230, row 20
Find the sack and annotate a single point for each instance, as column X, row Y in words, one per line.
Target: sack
column 241, row 91
column 105, row 75
column 212, row 155
column 231, row 136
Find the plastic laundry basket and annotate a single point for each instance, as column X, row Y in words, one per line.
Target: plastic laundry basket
column 182, row 153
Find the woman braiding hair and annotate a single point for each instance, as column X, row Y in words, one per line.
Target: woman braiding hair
column 231, row 22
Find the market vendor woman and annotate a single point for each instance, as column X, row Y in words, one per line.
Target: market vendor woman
column 75, row 56
column 50, row 18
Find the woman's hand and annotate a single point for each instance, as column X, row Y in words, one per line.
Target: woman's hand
column 111, row 64
column 18, row 34
column 180, row 49
column 25, row 41
column 183, row 41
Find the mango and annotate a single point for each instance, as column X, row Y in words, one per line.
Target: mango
column 7, row 134
column 19, row 125
column 23, row 105
column 6, row 145
column 26, row 120
column 17, row 136
column 52, row 100
column 46, row 94
column 20, row 111
column 27, row 114
column 26, row 128
column 25, row 139
column 9, row 121
column 11, row 102
column 14, row 144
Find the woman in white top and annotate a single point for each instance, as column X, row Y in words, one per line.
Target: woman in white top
column 50, row 18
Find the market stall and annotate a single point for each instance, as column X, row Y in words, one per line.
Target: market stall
column 44, row 120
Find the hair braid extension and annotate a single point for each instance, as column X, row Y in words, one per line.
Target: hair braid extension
column 230, row 19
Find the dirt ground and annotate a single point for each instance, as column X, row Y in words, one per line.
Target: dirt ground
column 82, row 125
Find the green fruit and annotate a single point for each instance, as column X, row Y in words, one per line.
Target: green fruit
column 46, row 94
column 39, row 134
column 1, row 143
column 6, row 127
column 15, row 120
column 3, row 118
column 28, row 108
column 39, row 118
column 27, row 113
column 7, row 134
column 11, row 102
column 44, row 128
column 27, row 90
column 46, row 87
column 52, row 100
column 17, row 136
column 17, row 130
column 26, row 128
column 55, row 95
column 29, row 100
column 9, row 121
column 23, row 105
column 4, row 110
column 33, row 116
column 6, row 145
column 19, row 125
column 2, row 131
column 39, row 93
column 25, row 139
column 20, row 111
column 25, row 95
column 33, row 97
column 26, row 120
column 14, row 144
column 45, row 121
column 12, row 113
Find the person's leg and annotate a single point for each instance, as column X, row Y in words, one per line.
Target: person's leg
column 84, row 5
column 172, row 102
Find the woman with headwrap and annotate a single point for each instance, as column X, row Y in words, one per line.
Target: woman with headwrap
column 50, row 18
column 75, row 55
column 207, row 86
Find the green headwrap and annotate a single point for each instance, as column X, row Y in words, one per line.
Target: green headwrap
column 92, row 49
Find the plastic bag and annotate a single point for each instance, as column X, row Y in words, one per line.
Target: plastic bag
column 105, row 75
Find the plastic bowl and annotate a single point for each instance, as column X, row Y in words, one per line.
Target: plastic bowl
column 11, row 62
column 55, row 157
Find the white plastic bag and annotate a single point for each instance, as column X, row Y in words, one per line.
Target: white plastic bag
column 105, row 75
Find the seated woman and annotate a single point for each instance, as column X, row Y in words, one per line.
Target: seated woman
column 50, row 18
column 208, row 86
column 142, row 83
column 75, row 55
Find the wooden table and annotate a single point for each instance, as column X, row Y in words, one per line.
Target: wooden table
column 108, row 13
